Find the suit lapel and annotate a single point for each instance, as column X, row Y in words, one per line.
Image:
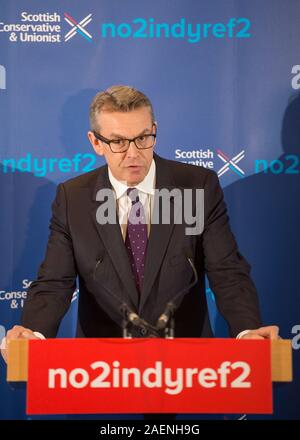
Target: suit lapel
column 112, row 239
column 160, row 234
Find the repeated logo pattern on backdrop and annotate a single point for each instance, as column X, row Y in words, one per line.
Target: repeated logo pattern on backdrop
column 221, row 100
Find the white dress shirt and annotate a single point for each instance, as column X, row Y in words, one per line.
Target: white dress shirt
column 146, row 196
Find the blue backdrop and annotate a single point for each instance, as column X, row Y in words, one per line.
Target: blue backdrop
column 224, row 79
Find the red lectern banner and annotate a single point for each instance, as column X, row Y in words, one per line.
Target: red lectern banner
column 74, row 376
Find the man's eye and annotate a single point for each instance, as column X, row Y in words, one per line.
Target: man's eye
column 118, row 141
column 142, row 138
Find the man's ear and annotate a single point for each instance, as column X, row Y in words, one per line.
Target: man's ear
column 96, row 144
column 155, row 131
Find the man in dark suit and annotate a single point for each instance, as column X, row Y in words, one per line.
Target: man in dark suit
column 144, row 266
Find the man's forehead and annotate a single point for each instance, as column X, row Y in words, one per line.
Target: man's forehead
column 125, row 123
column 111, row 117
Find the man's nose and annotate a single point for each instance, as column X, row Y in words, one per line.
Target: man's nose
column 132, row 150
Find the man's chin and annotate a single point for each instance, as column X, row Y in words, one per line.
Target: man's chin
column 135, row 175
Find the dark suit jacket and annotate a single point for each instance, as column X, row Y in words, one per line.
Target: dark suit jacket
column 79, row 246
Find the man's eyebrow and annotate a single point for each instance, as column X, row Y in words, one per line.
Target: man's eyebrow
column 120, row 136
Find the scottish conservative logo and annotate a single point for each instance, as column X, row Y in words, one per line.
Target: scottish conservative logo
column 54, row 27
column 206, row 157
column 45, row 28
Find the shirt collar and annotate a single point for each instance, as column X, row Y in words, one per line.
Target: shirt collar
column 145, row 186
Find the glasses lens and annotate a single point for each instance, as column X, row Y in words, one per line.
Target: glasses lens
column 142, row 142
column 145, row 141
column 119, row 145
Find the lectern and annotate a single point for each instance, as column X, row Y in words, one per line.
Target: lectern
column 154, row 375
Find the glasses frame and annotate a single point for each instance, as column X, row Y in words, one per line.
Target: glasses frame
column 109, row 141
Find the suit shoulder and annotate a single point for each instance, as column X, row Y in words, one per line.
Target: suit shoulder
column 84, row 180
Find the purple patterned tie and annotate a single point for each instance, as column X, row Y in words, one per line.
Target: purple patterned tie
column 136, row 237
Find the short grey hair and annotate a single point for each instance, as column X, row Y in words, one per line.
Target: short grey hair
column 118, row 98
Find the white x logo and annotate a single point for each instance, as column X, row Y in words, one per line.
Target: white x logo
column 231, row 163
column 78, row 27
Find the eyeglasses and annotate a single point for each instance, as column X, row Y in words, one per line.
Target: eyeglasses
column 142, row 142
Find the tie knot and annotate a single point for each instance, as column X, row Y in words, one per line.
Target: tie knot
column 133, row 195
